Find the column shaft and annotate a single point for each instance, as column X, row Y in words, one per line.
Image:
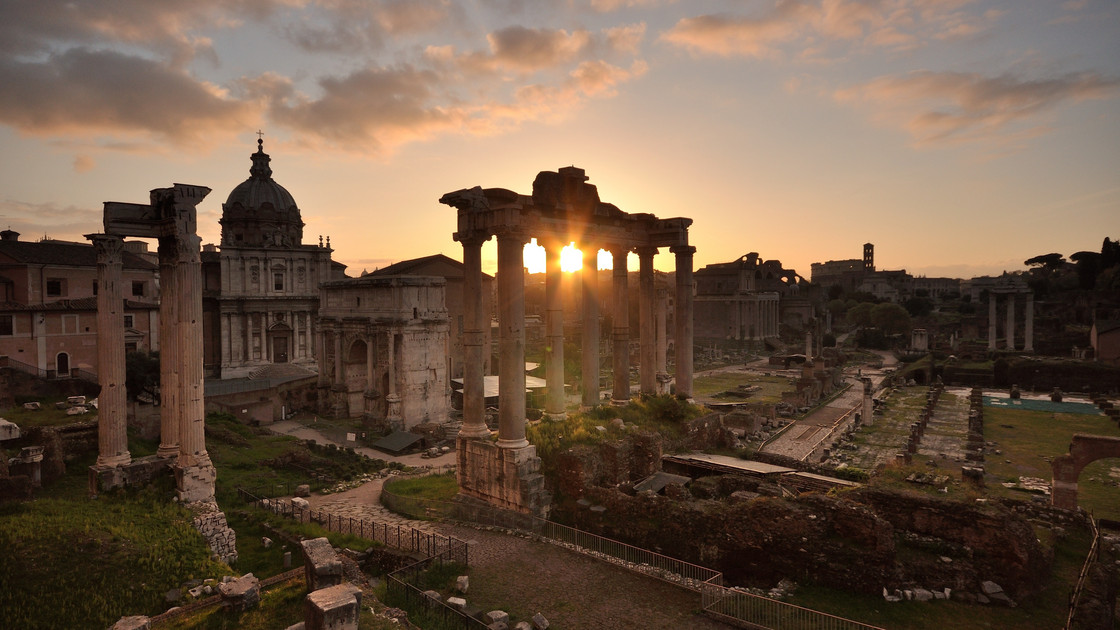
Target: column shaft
column 554, row 325
column 339, row 376
column 1028, row 324
column 991, row 321
column 662, row 342
column 192, row 429
column 1010, row 321
column 371, row 341
column 112, row 435
column 620, row 328
column 474, row 337
column 647, row 336
column 590, row 336
column 169, row 412
column 683, row 319
column 511, row 341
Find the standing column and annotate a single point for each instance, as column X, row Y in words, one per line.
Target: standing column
column 474, row 337
column 683, row 318
column 339, row 377
column 192, row 429
column 112, row 435
column 250, row 347
column 511, row 340
column 620, row 329
column 392, row 399
column 371, row 341
column 662, row 342
column 1010, row 321
column 324, row 378
column 554, row 325
column 1028, row 330
column 991, row 321
column 169, row 412
column 647, row 336
column 590, row 344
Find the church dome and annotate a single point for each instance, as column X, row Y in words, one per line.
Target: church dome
column 259, row 212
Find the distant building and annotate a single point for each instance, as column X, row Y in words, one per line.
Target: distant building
column 48, row 317
column 860, row 275
column 261, row 296
column 1008, row 282
column 1104, row 336
column 741, row 299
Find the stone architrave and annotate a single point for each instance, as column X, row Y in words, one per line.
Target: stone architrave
column 112, row 435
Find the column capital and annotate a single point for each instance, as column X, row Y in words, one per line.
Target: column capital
column 109, row 247
column 472, row 239
column 683, row 249
column 646, row 251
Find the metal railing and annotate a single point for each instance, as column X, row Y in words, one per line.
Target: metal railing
column 732, row 605
column 402, row 593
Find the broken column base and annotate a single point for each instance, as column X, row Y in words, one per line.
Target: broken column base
column 138, row 472
column 195, row 483
column 506, row 478
column 333, row 608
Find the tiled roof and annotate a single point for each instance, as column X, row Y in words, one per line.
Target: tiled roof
column 63, row 253
column 423, row 266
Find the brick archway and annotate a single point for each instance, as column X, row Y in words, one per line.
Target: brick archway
column 1084, row 449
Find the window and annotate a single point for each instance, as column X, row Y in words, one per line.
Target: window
column 56, row 287
column 138, row 288
column 129, row 321
column 278, row 281
column 7, row 326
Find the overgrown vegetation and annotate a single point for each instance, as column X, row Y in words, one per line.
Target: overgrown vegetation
column 430, row 487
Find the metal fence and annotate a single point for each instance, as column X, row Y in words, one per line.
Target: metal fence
column 400, row 591
column 737, row 607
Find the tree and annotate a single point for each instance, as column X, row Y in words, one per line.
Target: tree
column 918, row 306
column 860, row 314
column 891, row 318
column 141, row 374
column 1046, row 261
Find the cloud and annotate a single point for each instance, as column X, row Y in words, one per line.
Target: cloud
column 34, row 220
column 90, row 93
column 350, row 26
column 84, row 164
column 523, row 48
column 793, row 26
column 951, row 107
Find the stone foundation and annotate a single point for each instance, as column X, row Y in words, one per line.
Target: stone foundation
column 195, row 483
column 211, row 523
column 508, row 478
column 139, row 472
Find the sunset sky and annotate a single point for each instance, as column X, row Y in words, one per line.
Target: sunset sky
column 959, row 136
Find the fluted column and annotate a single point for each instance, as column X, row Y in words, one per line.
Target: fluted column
column 170, row 411
column 324, row 377
column 192, row 429
column 991, row 321
column 590, row 344
column 392, row 398
column 1028, row 324
column 112, row 434
column 683, row 318
column 554, row 325
column 511, row 340
column 647, row 336
column 662, row 341
column 620, row 328
column 339, row 376
column 1010, row 321
column 474, row 338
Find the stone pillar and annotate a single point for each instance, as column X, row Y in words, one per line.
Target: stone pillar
column 620, row 328
column 554, row 326
column 1010, row 321
column 683, row 317
column 192, row 435
column 808, row 345
column 511, row 340
column 392, row 399
column 991, row 321
column 590, row 344
column 647, row 336
column 339, row 375
column 169, row 412
column 662, row 341
column 324, row 376
column 371, row 343
column 474, row 338
column 112, row 435
column 1028, row 323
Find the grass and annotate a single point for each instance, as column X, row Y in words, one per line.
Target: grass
column 48, row 416
column 771, row 387
column 431, row 487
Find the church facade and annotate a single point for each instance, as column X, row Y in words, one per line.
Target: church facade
column 261, row 296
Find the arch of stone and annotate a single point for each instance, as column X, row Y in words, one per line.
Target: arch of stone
column 562, row 208
column 1084, row 449
column 170, row 217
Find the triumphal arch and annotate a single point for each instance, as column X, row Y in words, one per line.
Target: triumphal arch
column 562, row 208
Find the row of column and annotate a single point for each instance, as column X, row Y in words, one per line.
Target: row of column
column 1028, row 327
column 182, row 428
column 511, row 340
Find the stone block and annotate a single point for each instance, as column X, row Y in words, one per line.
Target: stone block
column 323, row 567
column 303, row 490
column 498, row 625
column 457, row 602
column 497, row 615
column 539, row 622
column 8, row 430
column 32, row 406
column 300, row 503
column 462, row 583
column 523, row 625
column 922, row 595
column 266, row 542
column 433, row 595
column 134, row 622
column 287, row 559
column 242, row 593
column 333, row 608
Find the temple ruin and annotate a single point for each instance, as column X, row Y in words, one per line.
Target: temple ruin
column 563, row 208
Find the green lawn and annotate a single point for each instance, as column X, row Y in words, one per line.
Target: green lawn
column 771, row 387
column 48, row 416
column 431, row 487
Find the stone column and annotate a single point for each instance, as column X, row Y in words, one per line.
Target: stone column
column 662, row 341
column 393, row 399
column 808, row 345
column 511, row 340
column 339, row 376
column 1010, row 321
column 647, row 336
column 590, row 344
column 683, row 318
column 170, row 411
column 112, row 435
column 324, row 377
column 1028, row 323
column 554, row 326
column 474, row 339
column 192, row 433
column 371, row 341
column 991, row 321
column 620, row 328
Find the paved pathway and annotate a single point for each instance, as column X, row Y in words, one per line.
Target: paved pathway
column 364, row 502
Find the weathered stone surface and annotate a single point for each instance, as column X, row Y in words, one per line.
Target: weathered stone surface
column 303, row 490
column 523, row 625
column 497, row 615
column 457, row 602
column 333, row 608
column 539, row 622
column 8, row 430
column 462, row 583
column 242, row 593
column 210, row 521
column 134, row 622
column 323, row 567
column 300, row 503
column 497, row 625
column 922, row 595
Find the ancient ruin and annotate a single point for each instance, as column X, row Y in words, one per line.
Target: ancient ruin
column 1083, row 450
column 1009, row 292
column 562, row 208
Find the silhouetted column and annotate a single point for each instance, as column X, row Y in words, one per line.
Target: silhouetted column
column 169, row 412
column 371, row 344
column 991, row 321
column 554, row 324
column 647, row 337
column 620, row 328
column 1028, row 324
column 339, row 377
column 112, row 434
column 683, row 317
column 590, row 344
column 1010, row 321
column 192, row 429
column 662, row 341
column 324, row 376
column 511, row 340
column 474, row 401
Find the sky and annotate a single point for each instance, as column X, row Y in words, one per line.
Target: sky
column 961, row 137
